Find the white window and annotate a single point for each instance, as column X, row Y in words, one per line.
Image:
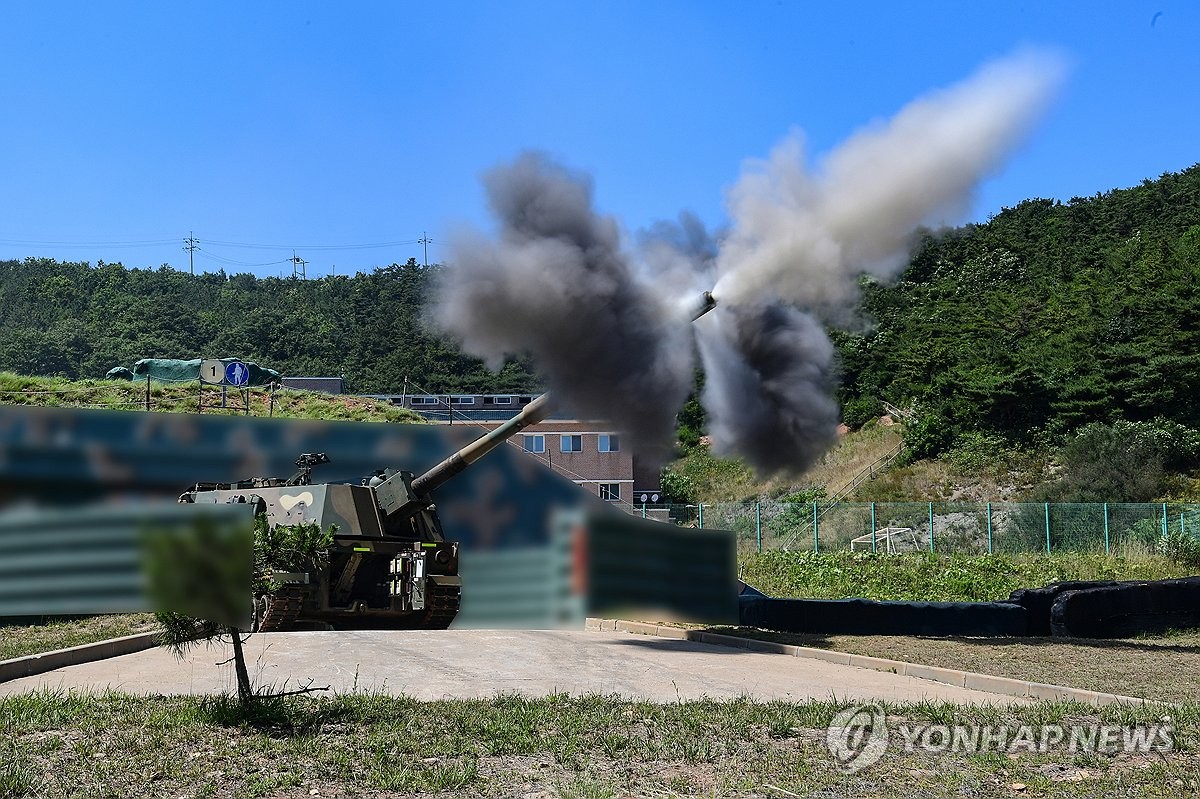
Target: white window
column 500, row 400
column 423, row 400
column 462, row 400
column 610, row 492
column 609, row 442
column 535, row 443
column 571, row 443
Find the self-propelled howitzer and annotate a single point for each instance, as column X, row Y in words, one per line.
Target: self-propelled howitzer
column 389, row 565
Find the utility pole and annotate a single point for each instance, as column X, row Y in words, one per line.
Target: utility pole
column 298, row 265
column 191, row 244
column 426, row 241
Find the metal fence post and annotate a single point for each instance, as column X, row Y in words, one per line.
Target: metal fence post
column 643, row 510
column 1047, row 528
column 816, row 516
column 700, row 508
column 989, row 527
column 1107, row 548
column 873, row 546
column 1164, row 520
column 758, row 523
column 147, row 388
column 931, row 527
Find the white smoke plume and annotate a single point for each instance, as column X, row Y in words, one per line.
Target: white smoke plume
column 610, row 327
column 806, row 236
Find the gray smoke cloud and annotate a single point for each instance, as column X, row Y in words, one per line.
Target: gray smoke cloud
column 769, row 376
column 610, row 327
column 804, row 237
column 557, row 284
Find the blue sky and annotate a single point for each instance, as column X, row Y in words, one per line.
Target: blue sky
column 328, row 127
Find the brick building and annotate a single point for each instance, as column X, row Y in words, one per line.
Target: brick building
column 588, row 453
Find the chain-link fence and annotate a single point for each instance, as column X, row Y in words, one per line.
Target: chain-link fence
column 948, row 527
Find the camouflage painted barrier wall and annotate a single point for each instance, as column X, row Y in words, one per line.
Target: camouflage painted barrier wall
column 519, row 565
column 64, row 456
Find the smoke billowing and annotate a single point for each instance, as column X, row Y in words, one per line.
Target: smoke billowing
column 558, row 285
column 806, row 236
column 609, row 325
column 769, row 375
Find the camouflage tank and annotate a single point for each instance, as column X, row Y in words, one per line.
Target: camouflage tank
column 390, row 566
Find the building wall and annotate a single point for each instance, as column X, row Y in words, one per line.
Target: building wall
column 589, row 468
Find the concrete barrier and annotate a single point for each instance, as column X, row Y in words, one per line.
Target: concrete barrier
column 84, row 653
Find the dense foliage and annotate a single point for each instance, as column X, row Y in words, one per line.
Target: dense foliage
column 1046, row 318
column 77, row 320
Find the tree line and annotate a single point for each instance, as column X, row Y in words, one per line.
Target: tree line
column 1046, row 318
column 78, row 321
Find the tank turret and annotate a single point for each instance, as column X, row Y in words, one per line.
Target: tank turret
column 389, row 566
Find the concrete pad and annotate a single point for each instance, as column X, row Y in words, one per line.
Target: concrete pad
column 482, row 663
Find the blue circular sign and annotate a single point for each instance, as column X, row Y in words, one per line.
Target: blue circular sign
column 236, row 373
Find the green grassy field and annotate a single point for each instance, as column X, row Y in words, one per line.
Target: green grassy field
column 926, row 576
column 1162, row 668
column 184, row 398
column 17, row 640
column 559, row 746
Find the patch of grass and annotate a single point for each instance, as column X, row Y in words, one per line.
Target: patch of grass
column 185, row 398
column 592, row 746
column 18, row 640
column 715, row 479
column 937, row 577
column 1165, row 668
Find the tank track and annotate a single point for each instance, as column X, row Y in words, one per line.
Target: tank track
column 282, row 609
column 441, row 606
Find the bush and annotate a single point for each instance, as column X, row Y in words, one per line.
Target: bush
column 1119, row 462
column 1181, row 548
column 677, row 488
column 861, row 410
column 977, row 451
column 927, row 435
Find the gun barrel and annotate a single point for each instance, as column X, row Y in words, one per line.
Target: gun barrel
column 531, row 414
column 707, row 303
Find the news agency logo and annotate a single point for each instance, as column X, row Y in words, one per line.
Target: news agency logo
column 858, row 737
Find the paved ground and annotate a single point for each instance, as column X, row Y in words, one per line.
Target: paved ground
column 481, row 663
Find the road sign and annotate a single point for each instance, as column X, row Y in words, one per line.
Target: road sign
column 236, row 374
column 212, row 371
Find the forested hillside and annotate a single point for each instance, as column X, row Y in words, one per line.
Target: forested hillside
column 74, row 320
column 1046, row 318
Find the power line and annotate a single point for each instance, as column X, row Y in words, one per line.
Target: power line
column 249, row 245
column 154, row 243
column 233, row 262
column 378, row 245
